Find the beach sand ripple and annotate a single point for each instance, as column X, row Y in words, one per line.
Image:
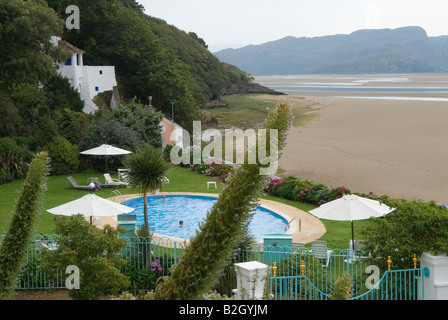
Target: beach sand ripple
column 393, row 147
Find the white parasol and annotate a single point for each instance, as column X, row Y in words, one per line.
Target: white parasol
column 105, row 150
column 91, row 205
column 351, row 207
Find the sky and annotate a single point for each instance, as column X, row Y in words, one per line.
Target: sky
column 237, row 23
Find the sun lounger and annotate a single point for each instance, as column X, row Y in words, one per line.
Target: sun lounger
column 298, row 246
column 75, row 185
column 113, row 182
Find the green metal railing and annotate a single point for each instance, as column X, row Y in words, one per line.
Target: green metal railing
column 305, row 274
column 297, row 273
column 164, row 253
column 405, row 284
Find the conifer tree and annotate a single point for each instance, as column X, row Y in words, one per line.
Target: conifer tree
column 16, row 241
column 210, row 250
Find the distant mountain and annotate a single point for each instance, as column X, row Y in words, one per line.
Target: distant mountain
column 402, row 50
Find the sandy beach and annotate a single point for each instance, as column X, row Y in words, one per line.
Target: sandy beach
column 394, row 147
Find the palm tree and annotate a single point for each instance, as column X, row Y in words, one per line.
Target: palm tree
column 146, row 170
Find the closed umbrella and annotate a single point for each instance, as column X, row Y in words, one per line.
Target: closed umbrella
column 351, row 207
column 105, row 150
column 91, row 205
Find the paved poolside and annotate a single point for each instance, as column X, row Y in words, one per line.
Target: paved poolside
column 303, row 226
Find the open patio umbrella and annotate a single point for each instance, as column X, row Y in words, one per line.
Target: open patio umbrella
column 351, row 207
column 105, row 150
column 91, row 205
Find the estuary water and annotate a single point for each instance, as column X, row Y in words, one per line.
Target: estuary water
column 419, row 87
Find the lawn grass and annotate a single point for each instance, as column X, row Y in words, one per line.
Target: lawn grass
column 248, row 111
column 181, row 180
column 59, row 192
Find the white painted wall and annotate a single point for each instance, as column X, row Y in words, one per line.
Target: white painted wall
column 87, row 80
column 251, row 278
column 436, row 285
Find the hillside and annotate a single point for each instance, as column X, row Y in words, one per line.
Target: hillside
column 402, row 50
column 151, row 57
column 40, row 110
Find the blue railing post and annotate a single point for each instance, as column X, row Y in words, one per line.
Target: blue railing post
column 175, row 251
column 348, row 261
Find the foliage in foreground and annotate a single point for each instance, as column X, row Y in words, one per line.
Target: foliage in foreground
column 29, row 205
column 212, row 247
column 95, row 252
column 342, row 288
column 412, row 228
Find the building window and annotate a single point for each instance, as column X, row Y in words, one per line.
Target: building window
column 101, row 71
column 97, row 89
column 68, row 62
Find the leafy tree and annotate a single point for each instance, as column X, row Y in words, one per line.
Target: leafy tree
column 59, row 94
column 71, row 124
column 26, row 54
column 208, row 74
column 65, row 155
column 30, row 89
column 96, row 252
column 29, row 205
column 145, row 121
column 108, row 131
column 412, row 228
column 200, row 40
column 212, row 247
column 134, row 5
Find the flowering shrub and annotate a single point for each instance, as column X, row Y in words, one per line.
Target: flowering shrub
column 373, row 196
column 155, row 266
column 143, row 278
column 213, row 169
column 274, row 184
column 304, row 190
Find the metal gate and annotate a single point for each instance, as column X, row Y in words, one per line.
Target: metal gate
column 308, row 275
column 393, row 285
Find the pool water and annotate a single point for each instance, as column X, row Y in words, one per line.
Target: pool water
column 164, row 216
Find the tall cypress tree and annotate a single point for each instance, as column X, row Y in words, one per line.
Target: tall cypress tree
column 212, row 247
column 16, row 241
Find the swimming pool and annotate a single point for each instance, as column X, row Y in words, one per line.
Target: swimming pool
column 164, row 216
